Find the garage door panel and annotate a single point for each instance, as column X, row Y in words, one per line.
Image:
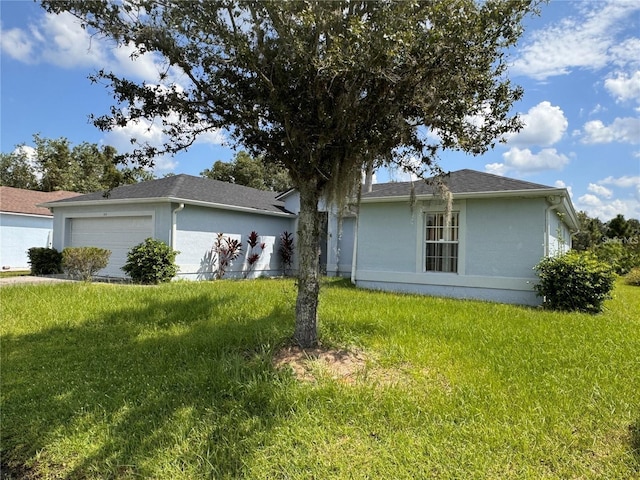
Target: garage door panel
column 118, row 234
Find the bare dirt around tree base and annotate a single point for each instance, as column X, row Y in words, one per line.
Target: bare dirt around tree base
column 310, row 363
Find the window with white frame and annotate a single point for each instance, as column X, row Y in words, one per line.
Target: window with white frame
column 441, row 242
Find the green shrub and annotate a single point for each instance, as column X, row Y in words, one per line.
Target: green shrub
column 151, row 262
column 623, row 257
column 44, row 261
column 575, row 281
column 633, row 277
column 84, row 262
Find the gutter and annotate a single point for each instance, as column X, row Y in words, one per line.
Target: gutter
column 128, row 201
column 459, row 196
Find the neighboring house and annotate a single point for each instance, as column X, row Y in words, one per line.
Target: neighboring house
column 24, row 225
column 402, row 238
column 498, row 229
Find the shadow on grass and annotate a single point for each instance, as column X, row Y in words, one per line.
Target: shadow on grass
column 634, row 431
column 168, row 383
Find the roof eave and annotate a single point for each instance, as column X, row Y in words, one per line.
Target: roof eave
column 538, row 192
column 125, row 201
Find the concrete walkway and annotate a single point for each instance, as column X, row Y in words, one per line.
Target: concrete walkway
column 29, row 279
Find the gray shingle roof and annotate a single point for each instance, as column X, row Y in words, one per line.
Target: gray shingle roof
column 459, row 182
column 189, row 188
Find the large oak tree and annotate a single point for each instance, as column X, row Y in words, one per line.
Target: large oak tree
column 324, row 88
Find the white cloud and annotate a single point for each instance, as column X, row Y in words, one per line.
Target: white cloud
column 60, row 40
column 625, row 181
column 607, row 209
column 497, row 168
column 599, row 190
column 543, row 125
column 561, row 184
column 592, row 40
column 17, row 44
column 524, row 161
column 152, row 133
column 624, row 87
column 623, row 130
column 601, row 203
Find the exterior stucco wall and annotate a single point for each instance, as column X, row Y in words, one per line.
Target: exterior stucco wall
column 340, row 239
column 504, row 237
column 500, row 242
column 19, row 233
column 198, row 227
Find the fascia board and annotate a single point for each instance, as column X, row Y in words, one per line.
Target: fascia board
column 129, row 201
column 530, row 193
column 20, row 214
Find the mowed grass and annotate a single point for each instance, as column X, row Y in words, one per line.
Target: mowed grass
column 177, row 381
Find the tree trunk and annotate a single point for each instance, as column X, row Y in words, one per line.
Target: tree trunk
column 306, row 331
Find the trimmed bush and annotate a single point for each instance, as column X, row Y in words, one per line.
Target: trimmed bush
column 44, row 261
column 633, row 277
column 575, row 281
column 151, row 262
column 84, row 262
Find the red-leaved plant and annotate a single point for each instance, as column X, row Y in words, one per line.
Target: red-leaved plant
column 226, row 251
column 286, row 252
column 254, row 256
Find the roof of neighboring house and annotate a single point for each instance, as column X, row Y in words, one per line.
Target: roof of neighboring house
column 17, row 200
column 186, row 189
column 458, row 182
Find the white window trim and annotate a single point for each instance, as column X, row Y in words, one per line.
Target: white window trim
column 459, row 207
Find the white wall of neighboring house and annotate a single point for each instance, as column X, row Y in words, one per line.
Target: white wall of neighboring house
column 20, row 232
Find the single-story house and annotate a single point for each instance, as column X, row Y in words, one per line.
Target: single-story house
column 184, row 211
column 485, row 247
column 402, row 238
column 23, row 224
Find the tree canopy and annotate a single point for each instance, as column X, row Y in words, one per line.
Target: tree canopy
column 251, row 172
column 54, row 165
column 324, row 88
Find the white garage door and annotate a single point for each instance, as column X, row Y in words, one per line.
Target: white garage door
column 117, row 234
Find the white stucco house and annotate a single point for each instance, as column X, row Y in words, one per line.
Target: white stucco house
column 402, row 238
column 486, row 247
column 24, row 225
column 184, row 211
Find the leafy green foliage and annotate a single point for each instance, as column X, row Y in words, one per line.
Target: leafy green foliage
column 622, row 254
column 633, row 277
column 151, row 262
column 44, row 261
column 84, row 262
column 16, row 170
column 251, row 172
column 575, row 281
column 84, row 168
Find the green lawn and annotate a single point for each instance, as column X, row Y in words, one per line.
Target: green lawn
column 177, row 381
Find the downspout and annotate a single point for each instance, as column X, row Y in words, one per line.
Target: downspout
column 554, row 203
column 174, row 222
column 354, row 262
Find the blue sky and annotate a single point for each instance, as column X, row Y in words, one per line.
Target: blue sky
column 578, row 62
